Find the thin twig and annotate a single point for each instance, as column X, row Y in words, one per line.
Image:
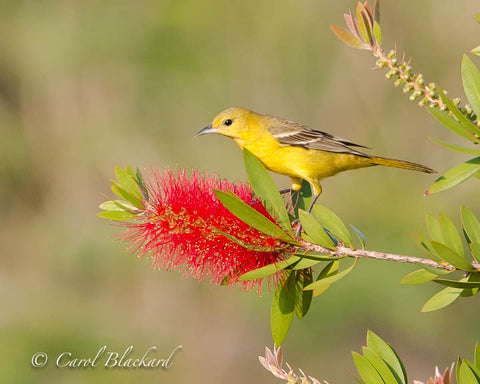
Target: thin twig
column 341, row 250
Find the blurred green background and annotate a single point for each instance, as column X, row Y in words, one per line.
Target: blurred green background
column 88, row 85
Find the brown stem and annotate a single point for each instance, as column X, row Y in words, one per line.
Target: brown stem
column 341, row 250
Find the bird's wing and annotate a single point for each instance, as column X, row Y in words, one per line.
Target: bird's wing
column 294, row 134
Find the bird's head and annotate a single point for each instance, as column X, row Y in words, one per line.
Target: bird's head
column 234, row 122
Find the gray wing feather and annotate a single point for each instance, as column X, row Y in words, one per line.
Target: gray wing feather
column 291, row 133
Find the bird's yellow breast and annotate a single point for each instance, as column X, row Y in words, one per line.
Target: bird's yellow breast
column 299, row 162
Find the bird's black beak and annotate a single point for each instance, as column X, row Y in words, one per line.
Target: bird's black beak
column 206, row 130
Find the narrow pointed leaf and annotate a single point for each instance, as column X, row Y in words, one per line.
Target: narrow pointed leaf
column 303, row 299
column 387, row 354
column 331, row 269
column 477, row 18
column 474, row 369
column 466, row 375
column 377, row 33
column 476, row 51
column 451, row 257
column 242, row 243
column 452, row 124
column 348, row 38
column 442, row 299
column 450, row 234
column 117, row 205
column 361, row 237
column 458, row 284
column 419, row 276
column 460, row 116
column 315, row 230
column 366, row 370
column 282, row 310
column 469, row 151
column 327, row 281
column 116, row 215
column 266, row 189
column 381, row 366
column 333, row 223
column 471, row 83
column 128, row 182
column 455, row 176
column 475, row 250
column 471, row 225
column 363, row 27
column 251, row 216
column 269, row 269
column 434, row 271
column 121, row 192
column 433, row 228
column 305, row 263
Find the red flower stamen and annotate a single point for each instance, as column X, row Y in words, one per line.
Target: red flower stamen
column 179, row 228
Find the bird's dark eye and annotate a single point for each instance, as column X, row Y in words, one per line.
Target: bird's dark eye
column 228, row 122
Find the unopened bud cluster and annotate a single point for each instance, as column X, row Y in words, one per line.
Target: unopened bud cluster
column 414, row 84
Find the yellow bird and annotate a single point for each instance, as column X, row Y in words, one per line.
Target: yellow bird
column 295, row 150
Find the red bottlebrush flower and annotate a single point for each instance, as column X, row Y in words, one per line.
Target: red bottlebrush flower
column 178, row 228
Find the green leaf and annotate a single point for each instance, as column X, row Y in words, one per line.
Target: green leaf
column 469, row 151
column 119, row 191
column 378, row 33
column 117, row 205
column 141, row 184
column 333, row 223
column 387, row 354
column 348, row 38
column 361, row 237
column 474, row 369
column 441, row 299
column 283, row 306
column 471, row 83
column 269, row 269
column 128, row 182
column 450, row 256
column 477, row 18
column 381, row 366
column 315, row 230
column 366, row 370
column 476, row 51
column 251, row 216
column 303, row 298
column 475, row 250
column 433, row 228
column 319, row 256
column 424, row 244
column 452, row 124
column 465, row 375
column 266, row 189
column 326, row 282
column 455, row 176
column 305, row 263
column 472, row 128
column 458, row 284
column 116, row 215
column 363, row 26
column 419, row 276
column 450, row 234
column 471, row 225
column 434, row 271
column 331, row 269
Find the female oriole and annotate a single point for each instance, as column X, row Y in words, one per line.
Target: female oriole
column 295, row 150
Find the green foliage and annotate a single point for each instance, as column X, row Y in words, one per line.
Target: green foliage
column 446, row 245
column 379, row 363
column 130, row 187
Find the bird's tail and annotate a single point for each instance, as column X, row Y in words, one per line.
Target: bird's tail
column 401, row 164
